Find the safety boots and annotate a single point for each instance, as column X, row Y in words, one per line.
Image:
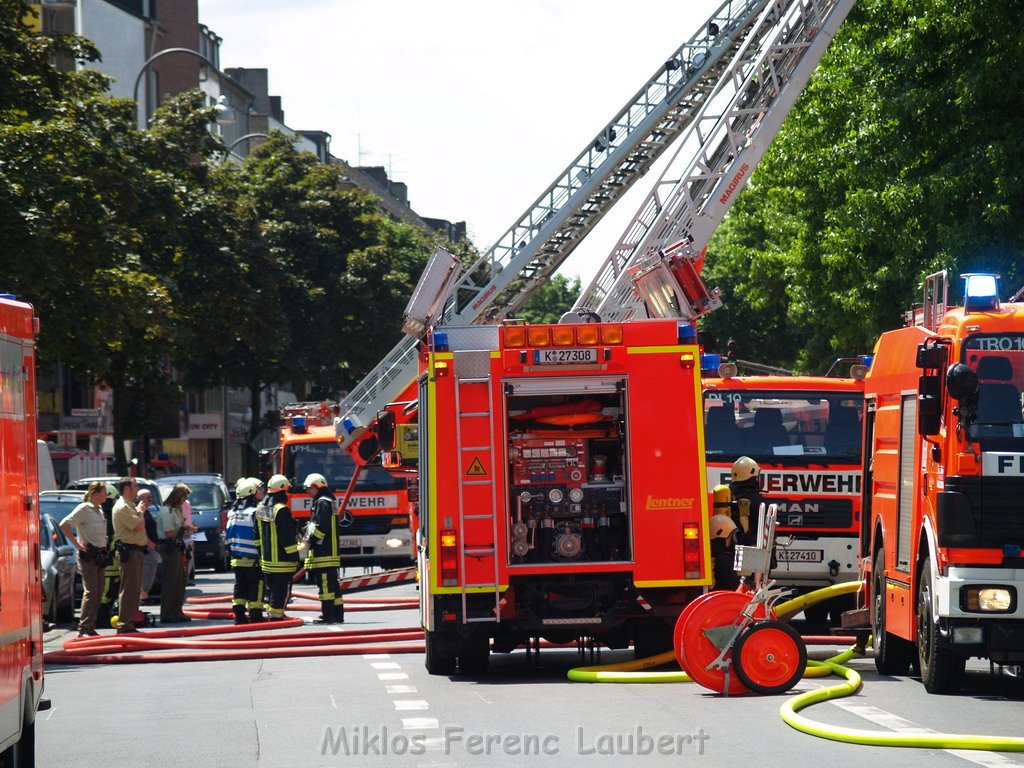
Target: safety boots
column 241, row 617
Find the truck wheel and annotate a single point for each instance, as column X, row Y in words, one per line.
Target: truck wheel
column 475, row 655
column 892, row 654
column 438, row 658
column 651, row 637
column 21, row 754
column 942, row 669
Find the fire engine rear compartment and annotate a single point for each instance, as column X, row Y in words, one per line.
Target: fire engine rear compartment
column 567, row 478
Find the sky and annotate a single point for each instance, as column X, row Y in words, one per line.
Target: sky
column 477, row 105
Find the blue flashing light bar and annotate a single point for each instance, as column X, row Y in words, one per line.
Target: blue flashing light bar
column 710, row 363
column 686, row 333
column 298, row 424
column 440, row 341
column 981, row 292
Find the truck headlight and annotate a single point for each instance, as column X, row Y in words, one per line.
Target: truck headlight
column 988, row 599
column 393, row 543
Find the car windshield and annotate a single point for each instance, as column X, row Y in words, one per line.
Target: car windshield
column 998, row 361
column 58, row 509
column 330, row 460
column 203, row 496
column 791, row 427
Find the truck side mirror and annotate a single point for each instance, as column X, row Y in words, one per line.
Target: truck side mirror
column 929, row 405
column 962, row 382
column 930, row 356
column 385, row 429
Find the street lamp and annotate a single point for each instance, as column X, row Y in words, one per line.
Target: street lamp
column 148, row 62
column 240, row 139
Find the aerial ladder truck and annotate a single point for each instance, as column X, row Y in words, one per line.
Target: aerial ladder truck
column 529, row 528
column 718, row 65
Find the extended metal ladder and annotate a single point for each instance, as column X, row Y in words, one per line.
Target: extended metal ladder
column 469, row 482
column 504, row 278
column 722, row 147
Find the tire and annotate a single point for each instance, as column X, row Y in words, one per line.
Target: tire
column 438, row 657
column 475, row 655
column 769, row 657
column 21, row 754
column 65, row 610
column 651, row 637
column 942, row 669
column 893, row 654
column 52, row 612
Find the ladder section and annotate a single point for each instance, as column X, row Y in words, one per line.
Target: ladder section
column 477, row 484
column 504, row 278
column 722, row 148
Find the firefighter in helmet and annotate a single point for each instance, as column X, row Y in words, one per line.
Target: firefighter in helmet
column 744, row 485
column 279, row 550
column 243, row 543
column 322, row 559
column 723, row 551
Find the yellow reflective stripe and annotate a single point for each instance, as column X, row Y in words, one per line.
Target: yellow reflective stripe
column 318, row 533
column 292, row 549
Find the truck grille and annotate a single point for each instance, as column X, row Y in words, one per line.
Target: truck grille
column 981, row 511
column 801, row 514
column 367, row 525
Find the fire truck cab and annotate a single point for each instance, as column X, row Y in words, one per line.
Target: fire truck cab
column 21, row 619
column 805, row 434
column 373, row 523
column 562, row 491
column 944, row 436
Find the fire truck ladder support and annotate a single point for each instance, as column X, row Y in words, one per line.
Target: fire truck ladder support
column 469, row 482
column 529, row 252
column 732, row 134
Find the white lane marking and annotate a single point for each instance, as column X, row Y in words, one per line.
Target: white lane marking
column 900, row 725
column 386, row 665
column 333, row 702
column 52, row 710
column 406, row 705
column 420, row 723
column 376, row 655
column 393, row 676
column 400, row 689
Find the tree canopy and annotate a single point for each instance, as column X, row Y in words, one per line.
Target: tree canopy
column 901, row 158
column 144, row 252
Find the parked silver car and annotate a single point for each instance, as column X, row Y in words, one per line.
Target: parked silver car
column 57, row 556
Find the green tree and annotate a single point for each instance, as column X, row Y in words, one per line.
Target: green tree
column 900, row 159
column 551, row 300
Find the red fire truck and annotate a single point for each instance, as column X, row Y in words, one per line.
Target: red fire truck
column 374, row 524
column 944, row 523
column 21, row 620
column 560, row 493
column 805, row 434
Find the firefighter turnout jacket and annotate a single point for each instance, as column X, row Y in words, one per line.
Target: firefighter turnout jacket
column 279, row 550
column 322, row 532
column 243, row 534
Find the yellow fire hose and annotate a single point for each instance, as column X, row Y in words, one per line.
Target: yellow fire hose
column 633, row 672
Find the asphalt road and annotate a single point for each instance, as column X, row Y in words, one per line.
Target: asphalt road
column 384, row 710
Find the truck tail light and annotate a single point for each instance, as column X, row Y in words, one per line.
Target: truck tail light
column 588, row 335
column 449, row 559
column 691, row 551
column 563, row 336
column 539, row 336
column 611, row 334
column 515, row 335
